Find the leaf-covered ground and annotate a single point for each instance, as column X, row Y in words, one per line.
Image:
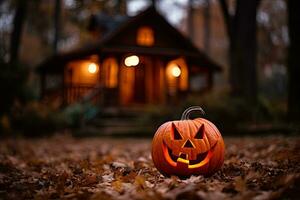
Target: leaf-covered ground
column 67, row 168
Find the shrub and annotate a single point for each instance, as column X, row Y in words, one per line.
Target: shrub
column 77, row 114
column 229, row 112
column 37, row 119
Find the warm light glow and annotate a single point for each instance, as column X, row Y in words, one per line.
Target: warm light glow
column 175, row 70
column 110, row 72
column 132, row 61
column 145, row 36
column 92, row 68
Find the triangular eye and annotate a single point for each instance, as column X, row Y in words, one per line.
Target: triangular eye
column 200, row 133
column 176, row 134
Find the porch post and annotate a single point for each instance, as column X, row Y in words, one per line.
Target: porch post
column 101, row 81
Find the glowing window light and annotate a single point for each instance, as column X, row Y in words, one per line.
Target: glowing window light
column 132, row 61
column 175, row 71
column 92, row 68
column 145, row 36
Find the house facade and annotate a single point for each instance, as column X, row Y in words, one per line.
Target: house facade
column 143, row 61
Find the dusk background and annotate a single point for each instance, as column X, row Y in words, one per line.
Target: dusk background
column 85, row 85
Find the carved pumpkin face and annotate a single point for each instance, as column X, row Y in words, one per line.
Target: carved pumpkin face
column 188, row 147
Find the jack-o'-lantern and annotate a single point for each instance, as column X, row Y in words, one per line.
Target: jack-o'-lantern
column 188, row 147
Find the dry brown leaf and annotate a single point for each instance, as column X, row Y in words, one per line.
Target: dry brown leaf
column 68, row 168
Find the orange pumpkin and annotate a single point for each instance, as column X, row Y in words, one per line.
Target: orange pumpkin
column 188, row 147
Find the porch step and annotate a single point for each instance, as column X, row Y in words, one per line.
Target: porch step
column 118, row 122
column 119, row 131
column 115, row 112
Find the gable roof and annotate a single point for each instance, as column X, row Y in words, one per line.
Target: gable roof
column 180, row 45
column 105, row 23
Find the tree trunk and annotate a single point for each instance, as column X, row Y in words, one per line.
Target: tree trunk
column 56, row 25
column 243, row 52
column 191, row 20
column 241, row 29
column 206, row 36
column 16, row 35
column 294, row 61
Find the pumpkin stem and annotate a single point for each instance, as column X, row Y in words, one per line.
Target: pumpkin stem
column 186, row 114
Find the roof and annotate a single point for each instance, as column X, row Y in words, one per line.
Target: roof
column 105, row 22
column 109, row 44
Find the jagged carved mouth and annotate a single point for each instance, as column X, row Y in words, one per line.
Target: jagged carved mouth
column 202, row 158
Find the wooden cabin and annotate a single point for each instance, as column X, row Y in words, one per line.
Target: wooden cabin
column 145, row 60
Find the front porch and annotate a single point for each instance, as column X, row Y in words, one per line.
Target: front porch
column 127, row 80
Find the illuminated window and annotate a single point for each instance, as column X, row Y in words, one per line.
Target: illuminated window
column 110, row 70
column 177, row 76
column 145, row 36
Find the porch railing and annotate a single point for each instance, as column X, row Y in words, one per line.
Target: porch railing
column 81, row 93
